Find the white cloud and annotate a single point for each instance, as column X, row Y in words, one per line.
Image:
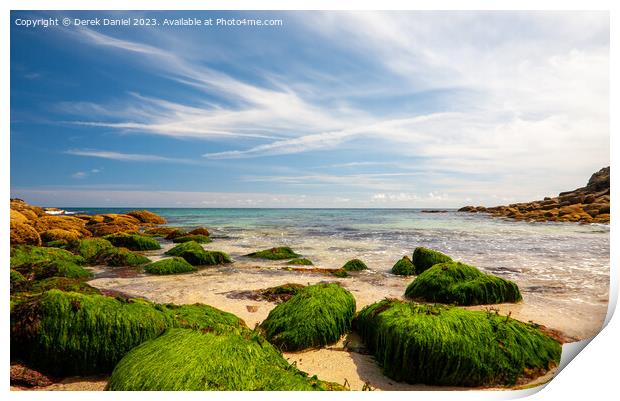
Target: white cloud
column 128, row 157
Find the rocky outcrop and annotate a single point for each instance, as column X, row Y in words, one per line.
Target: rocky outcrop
column 589, row 204
column 32, row 224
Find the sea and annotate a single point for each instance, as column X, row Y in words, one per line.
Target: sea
column 562, row 269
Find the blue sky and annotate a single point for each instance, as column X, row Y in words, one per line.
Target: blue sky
column 331, row 109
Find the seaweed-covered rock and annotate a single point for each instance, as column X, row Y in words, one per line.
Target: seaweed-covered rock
column 424, row 258
column 144, row 216
column 63, row 284
column 160, row 231
column 171, row 265
column 189, row 360
column 195, row 254
column 300, row 262
column 440, row 345
column 201, row 239
column 177, row 232
column 340, row 273
column 91, row 248
column 59, row 268
column 41, row 262
column 24, row 376
column 404, row 267
column 279, row 253
column 133, row 242
column 317, row 315
column 119, row 257
column 66, row 333
column 17, row 280
column 24, row 234
column 200, row 231
column 17, row 217
column 354, row 265
column 103, row 228
column 461, row 284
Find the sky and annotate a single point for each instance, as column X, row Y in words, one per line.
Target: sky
column 327, row 109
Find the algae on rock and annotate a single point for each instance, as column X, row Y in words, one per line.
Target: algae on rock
column 189, row 360
column 316, row 315
column 171, row 265
column 278, row 253
column 354, row 265
column 424, row 258
column 134, row 242
column 195, row 254
column 461, row 284
column 441, row 345
column 404, row 267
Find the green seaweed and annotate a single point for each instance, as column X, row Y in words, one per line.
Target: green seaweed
column 195, row 254
column 461, row 284
column 119, row 257
column 201, row 239
column 404, row 267
column 91, row 248
column 317, row 315
column 300, row 261
column 134, row 242
column 25, row 257
column 63, row 284
column 171, row 265
column 59, row 268
column 17, row 280
column 189, row 360
column 340, row 273
column 278, row 253
column 67, row 333
column 354, row 265
column 441, row 345
column 424, row 258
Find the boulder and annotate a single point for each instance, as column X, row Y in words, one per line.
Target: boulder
column 67, row 223
column 18, row 218
column 172, row 265
column 199, row 238
column 134, row 242
column 279, row 253
column 189, row 360
column 24, row 234
column 354, row 265
column 121, row 257
column 160, row 231
column 316, row 315
column 461, row 284
column 144, row 216
column 195, row 254
column 58, row 234
column 424, row 258
column 92, row 248
column 450, row 346
column 200, row 231
column 404, row 267
column 300, row 262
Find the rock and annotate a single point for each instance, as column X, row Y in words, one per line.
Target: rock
column 199, row 238
column 144, row 216
column 24, row 234
column 18, row 218
column 200, row 231
column 120, row 257
column 176, row 234
column 92, row 248
column 172, row 265
column 26, row 209
column 354, row 265
column 281, row 293
column 17, row 280
column 24, row 376
column 66, row 333
column 451, row 346
column 57, row 234
column 195, row 254
column 134, row 242
column 67, row 223
column 160, row 231
column 404, row 267
column 424, row 258
column 572, row 206
column 189, row 360
column 317, row 315
column 461, row 284
column 279, row 253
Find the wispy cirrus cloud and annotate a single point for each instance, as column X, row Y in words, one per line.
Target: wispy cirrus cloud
column 127, row 157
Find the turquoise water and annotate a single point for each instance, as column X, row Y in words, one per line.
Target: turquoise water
column 551, row 260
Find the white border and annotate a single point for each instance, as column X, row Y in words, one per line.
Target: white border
column 591, row 375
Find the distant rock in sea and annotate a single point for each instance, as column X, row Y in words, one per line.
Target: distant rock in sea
column 589, row 204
